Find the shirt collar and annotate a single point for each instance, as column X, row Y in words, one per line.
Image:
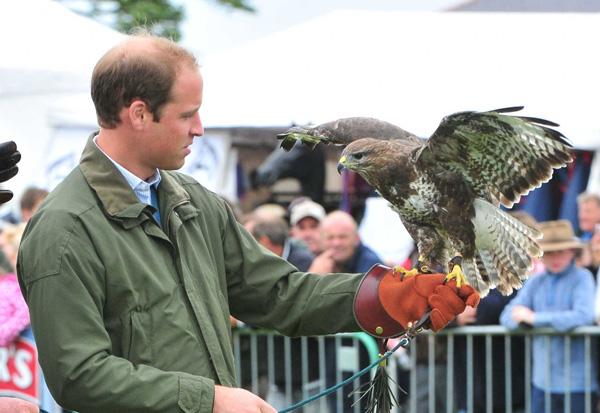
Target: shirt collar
column 114, row 193
column 567, row 270
column 140, row 187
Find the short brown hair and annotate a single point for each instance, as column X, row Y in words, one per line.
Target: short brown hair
column 276, row 230
column 31, row 198
column 143, row 67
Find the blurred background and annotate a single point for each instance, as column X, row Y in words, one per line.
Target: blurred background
column 270, row 64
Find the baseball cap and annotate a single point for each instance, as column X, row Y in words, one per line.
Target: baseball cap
column 307, row 208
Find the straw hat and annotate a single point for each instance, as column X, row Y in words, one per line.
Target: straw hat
column 558, row 235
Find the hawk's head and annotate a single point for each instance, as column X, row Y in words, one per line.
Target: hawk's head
column 363, row 156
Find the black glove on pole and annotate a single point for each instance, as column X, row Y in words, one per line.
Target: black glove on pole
column 9, row 157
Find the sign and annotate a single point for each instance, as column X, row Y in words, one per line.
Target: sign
column 19, row 370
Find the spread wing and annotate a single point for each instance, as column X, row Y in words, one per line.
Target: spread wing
column 501, row 156
column 342, row 132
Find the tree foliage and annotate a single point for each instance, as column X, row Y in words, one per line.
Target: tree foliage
column 160, row 17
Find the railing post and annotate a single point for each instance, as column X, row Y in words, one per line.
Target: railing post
column 258, row 360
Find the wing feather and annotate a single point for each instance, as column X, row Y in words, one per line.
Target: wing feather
column 502, row 157
column 342, row 132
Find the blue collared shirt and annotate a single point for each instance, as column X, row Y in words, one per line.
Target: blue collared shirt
column 563, row 301
column 140, row 187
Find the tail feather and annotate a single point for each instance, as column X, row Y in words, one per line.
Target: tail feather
column 488, row 267
column 474, row 277
column 510, row 277
column 505, row 248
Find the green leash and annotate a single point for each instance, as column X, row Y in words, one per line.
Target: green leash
column 404, row 342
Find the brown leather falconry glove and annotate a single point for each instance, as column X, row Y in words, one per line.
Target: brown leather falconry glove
column 386, row 302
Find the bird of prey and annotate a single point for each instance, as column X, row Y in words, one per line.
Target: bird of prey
column 447, row 189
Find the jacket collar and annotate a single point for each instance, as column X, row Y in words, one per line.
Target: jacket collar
column 113, row 191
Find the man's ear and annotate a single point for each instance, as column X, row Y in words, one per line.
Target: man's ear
column 138, row 114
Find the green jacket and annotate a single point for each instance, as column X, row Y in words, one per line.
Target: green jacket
column 129, row 317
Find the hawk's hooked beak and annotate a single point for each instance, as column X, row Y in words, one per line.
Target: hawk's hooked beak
column 341, row 164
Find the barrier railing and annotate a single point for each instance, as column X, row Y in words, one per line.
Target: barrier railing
column 472, row 369
column 287, row 370
column 490, row 355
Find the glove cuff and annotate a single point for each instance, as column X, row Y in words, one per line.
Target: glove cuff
column 369, row 312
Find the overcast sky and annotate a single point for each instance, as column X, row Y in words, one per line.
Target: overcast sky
column 211, row 28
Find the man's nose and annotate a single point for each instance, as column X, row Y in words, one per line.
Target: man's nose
column 197, row 128
column 335, row 243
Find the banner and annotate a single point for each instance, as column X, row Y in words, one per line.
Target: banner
column 19, row 370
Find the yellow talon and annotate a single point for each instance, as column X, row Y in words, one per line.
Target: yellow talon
column 457, row 274
column 400, row 270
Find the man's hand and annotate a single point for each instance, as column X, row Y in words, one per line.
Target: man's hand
column 385, row 295
column 9, row 157
column 522, row 314
column 235, row 400
column 447, row 301
column 13, row 405
column 323, row 263
column 469, row 316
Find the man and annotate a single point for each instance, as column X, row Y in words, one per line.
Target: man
column 31, row 200
column 273, row 235
column 343, row 250
column 588, row 211
column 131, row 270
column 561, row 297
column 305, row 217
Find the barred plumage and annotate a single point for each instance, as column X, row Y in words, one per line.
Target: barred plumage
column 447, row 189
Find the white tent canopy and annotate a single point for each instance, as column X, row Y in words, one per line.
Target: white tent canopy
column 46, row 62
column 412, row 69
column 47, row 48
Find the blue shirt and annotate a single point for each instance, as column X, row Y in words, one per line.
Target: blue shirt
column 140, row 187
column 362, row 260
column 562, row 301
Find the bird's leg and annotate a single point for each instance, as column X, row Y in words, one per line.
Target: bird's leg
column 420, row 268
column 399, row 270
column 456, row 272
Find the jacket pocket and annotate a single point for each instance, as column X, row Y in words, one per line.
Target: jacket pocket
column 136, row 339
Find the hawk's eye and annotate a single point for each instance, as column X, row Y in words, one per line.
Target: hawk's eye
column 358, row 156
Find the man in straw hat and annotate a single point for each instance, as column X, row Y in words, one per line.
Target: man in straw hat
column 561, row 297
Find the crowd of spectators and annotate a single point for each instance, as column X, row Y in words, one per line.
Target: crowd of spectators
column 560, row 294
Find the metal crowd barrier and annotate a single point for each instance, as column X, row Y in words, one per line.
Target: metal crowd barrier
column 286, row 370
column 436, row 368
column 443, row 384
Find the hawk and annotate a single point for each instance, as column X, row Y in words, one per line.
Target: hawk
column 447, row 189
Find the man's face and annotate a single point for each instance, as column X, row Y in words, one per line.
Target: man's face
column 557, row 261
column 589, row 215
column 341, row 239
column 307, row 230
column 169, row 139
